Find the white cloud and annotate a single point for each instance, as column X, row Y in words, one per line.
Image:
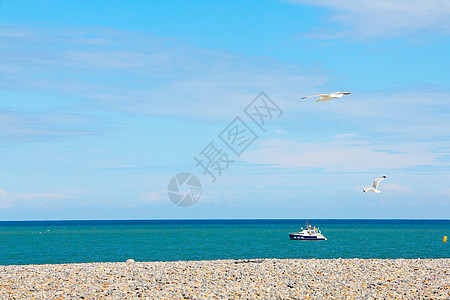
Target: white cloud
column 383, row 18
column 396, row 188
column 280, row 131
column 412, row 114
column 140, row 73
column 351, row 155
column 27, row 126
column 11, row 199
column 446, row 192
column 153, row 197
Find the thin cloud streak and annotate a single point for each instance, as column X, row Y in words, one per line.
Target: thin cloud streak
column 418, row 115
column 43, row 126
column 381, row 19
column 397, row 188
column 343, row 156
column 11, row 199
column 134, row 73
column 153, row 197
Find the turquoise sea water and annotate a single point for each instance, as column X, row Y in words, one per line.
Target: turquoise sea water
column 44, row 242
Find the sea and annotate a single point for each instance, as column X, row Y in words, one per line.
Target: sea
column 57, row 242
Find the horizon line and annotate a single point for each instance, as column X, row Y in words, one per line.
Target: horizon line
column 218, row 219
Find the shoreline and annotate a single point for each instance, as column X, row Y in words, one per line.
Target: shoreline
column 231, row 279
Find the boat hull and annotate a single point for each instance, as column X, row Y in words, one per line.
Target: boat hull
column 300, row 237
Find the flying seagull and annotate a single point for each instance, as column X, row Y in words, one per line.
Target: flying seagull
column 374, row 187
column 326, row 97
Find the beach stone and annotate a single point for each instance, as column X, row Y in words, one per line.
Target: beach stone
column 130, row 261
column 232, row 279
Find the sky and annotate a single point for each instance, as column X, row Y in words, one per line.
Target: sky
column 103, row 103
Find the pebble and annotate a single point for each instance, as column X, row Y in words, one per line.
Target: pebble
column 232, row 279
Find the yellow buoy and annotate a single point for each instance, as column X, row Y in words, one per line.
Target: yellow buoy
column 445, row 239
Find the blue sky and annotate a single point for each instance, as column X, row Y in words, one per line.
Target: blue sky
column 103, row 102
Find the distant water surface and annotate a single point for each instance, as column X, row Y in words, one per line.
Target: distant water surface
column 49, row 242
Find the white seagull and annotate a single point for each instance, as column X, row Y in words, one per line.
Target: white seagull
column 374, row 187
column 326, row 97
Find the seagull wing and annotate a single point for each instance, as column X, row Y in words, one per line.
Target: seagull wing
column 377, row 181
column 321, row 95
column 326, row 98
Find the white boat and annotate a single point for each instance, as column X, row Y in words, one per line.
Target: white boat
column 310, row 233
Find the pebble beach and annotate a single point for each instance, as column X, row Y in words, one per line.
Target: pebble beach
column 232, row 279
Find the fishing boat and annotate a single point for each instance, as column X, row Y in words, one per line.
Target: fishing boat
column 310, row 233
